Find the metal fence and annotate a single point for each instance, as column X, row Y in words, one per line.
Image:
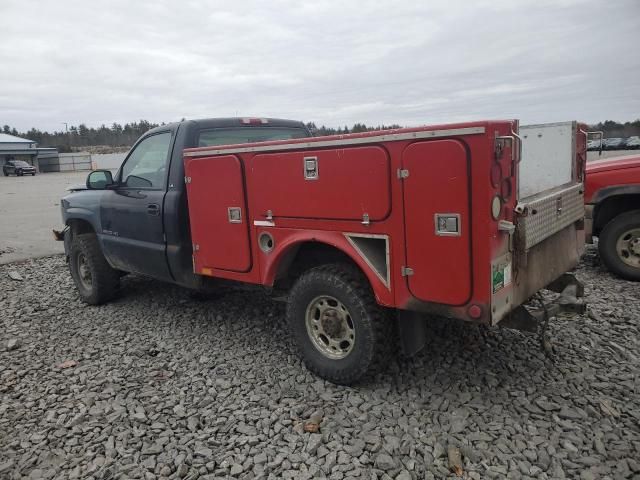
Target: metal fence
column 65, row 162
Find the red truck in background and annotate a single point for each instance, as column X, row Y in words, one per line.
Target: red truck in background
column 612, row 196
column 467, row 221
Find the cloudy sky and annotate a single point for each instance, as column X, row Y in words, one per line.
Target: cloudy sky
column 332, row 62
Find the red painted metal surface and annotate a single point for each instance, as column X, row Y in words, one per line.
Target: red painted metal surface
column 451, row 174
column 350, row 183
column 611, row 173
column 217, row 185
column 439, row 184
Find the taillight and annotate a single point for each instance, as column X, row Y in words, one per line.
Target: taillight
column 254, row 121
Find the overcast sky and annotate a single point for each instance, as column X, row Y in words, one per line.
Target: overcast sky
column 332, row 62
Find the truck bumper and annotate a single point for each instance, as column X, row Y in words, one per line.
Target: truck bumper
column 570, row 300
column 63, row 235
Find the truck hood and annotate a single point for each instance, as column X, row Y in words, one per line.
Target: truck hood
column 76, row 188
column 615, row 163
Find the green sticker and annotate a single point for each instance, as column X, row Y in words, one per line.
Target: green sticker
column 498, row 279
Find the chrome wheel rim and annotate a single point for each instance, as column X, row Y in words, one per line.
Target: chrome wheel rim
column 628, row 247
column 330, row 327
column 84, row 272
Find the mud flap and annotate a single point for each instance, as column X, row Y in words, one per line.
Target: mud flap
column 412, row 330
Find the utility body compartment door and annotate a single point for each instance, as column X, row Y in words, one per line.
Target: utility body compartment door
column 333, row 184
column 218, row 213
column 437, row 221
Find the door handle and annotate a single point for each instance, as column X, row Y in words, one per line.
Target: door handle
column 153, row 209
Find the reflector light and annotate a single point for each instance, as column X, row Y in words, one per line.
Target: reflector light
column 474, row 311
column 496, row 207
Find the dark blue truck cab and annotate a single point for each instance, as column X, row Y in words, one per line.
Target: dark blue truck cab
column 136, row 220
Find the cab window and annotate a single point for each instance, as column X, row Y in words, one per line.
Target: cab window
column 146, row 166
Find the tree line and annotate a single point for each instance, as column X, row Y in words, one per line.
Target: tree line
column 118, row 135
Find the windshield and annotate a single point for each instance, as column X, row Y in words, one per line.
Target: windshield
column 234, row 135
column 20, row 163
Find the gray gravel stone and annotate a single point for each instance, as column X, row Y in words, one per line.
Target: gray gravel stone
column 385, row 462
column 170, row 387
column 314, row 442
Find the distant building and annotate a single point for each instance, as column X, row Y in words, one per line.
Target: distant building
column 17, row 148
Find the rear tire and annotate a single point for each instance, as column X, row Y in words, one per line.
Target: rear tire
column 619, row 245
column 341, row 332
column 95, row 280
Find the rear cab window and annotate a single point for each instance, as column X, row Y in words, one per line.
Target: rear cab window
column 233, row 135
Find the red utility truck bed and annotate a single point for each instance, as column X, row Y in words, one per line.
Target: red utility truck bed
column 433, row 216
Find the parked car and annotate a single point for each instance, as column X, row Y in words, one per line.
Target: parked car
column 612, row 198
column 593, row 144
column 18, row 168
column 615, row 143
column 632, row 143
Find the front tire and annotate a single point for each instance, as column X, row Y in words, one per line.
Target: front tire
column 95, row 280
column 619, row 245
column 341, row 332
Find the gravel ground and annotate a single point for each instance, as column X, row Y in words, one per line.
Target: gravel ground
column 158, row 384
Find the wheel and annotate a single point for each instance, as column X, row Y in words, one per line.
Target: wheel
column 19, row 173
column 33, row 174
column 6, row 174
column 341, row 333
column 95, row 280
column 619, row 245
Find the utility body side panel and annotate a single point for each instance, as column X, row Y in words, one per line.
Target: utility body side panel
column 460, row 178
column 340, row 184
column 363, row 174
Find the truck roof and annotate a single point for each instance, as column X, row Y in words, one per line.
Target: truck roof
column 226, row 122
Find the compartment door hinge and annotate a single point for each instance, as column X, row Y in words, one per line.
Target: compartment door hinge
column 403, row 173
column 406, row 271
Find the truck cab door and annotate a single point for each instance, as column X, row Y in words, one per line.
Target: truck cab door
column 131, row 213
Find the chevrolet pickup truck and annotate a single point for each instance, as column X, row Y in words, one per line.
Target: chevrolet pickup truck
column 612, row 196
column 365, row 235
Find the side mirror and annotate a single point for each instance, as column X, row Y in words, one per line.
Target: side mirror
column 99, row 180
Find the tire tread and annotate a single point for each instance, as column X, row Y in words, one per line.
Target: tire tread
column 105, row 280
column 607, row 244
column 358, row 286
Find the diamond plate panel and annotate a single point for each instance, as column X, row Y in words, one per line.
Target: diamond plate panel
column 549, row 214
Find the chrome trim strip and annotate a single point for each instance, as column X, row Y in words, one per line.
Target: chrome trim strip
column 263, row 223
column 343, row 141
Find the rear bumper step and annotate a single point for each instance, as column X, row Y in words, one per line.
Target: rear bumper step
column 571, row 300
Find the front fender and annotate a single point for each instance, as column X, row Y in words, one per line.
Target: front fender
column 82, row 206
